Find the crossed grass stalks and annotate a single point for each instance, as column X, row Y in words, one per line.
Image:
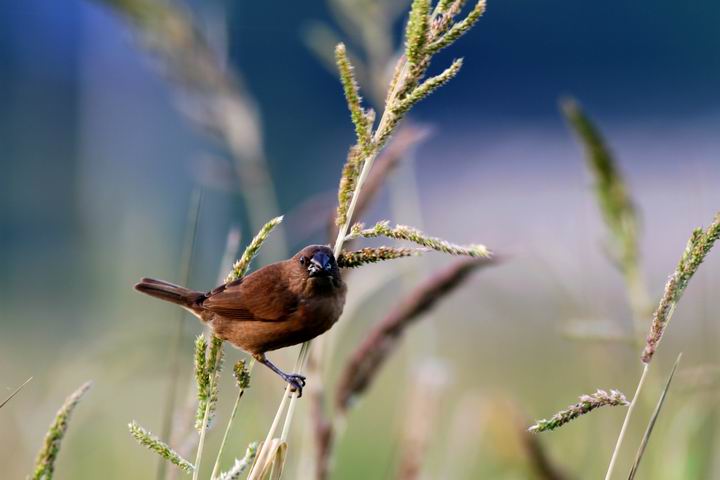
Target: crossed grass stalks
column 427, row 33
column 621, row 218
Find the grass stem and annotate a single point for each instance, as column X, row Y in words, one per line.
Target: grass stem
column 204, row 428
column 626, row 422
column 216, row 468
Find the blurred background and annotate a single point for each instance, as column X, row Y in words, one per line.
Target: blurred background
column 107, row 129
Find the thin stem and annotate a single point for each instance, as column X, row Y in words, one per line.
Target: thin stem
column 203, row 429
column 17, row 390
column 216, row 468
column 257, row 468
column 626, row 422
column 342, row 233
column 186, row 268
column 302, row 358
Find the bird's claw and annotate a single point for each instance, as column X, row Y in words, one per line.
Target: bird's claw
column 297, row 382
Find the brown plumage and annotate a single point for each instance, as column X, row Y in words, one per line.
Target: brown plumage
column 277, row 306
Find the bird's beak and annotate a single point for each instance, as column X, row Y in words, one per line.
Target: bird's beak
column 320, row 265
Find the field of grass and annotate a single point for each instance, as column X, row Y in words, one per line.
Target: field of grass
column 509, row 327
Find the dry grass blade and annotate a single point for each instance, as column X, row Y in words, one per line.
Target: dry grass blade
column 45, row 461
column 422, row 411
column 323, row 431
column 273, row 461
column 17, row 390
column 367, row 359
column 653, row 419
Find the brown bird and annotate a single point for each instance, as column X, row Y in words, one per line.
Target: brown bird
column 277, row 306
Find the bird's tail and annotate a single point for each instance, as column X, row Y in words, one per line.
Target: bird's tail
column 170, row 293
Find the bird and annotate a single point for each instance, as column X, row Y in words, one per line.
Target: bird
column 279, row 305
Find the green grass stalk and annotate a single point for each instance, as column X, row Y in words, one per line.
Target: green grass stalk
column 241, row 390
column 203, row 431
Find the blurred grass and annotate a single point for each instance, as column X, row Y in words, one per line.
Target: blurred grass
column 71, row 316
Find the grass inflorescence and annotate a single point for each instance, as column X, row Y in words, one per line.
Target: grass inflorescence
column 587, row 403
column 410, row 234
column 150, row 441
column 700, row 243
column 46, row 457
column 241, row 464
column 357, row 258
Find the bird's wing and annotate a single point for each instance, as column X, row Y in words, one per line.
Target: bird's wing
column 261, row 296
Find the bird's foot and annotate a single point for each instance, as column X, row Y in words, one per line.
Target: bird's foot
column 297, row 382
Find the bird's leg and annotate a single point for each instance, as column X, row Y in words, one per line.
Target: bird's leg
column 297, row 382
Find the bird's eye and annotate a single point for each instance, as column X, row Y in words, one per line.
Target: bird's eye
column 302, row 260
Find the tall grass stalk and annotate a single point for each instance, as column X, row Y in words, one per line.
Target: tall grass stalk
column 203, row 430
column 618, row 211
column 186, row 268
column 242, row 376
column 700, row 243
column 407, row 87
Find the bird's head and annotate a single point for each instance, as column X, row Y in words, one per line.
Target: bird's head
column 318, row 263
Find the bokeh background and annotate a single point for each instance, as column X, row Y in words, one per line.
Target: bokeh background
column 100, row 157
